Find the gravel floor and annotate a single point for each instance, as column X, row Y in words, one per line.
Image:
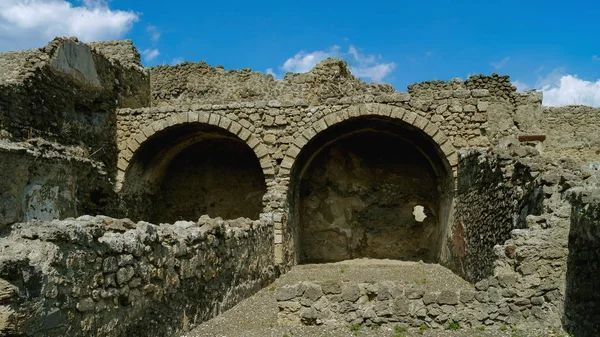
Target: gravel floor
column 257, row 316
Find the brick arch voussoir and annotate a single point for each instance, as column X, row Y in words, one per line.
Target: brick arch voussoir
column 371, row 109
column 207, row 117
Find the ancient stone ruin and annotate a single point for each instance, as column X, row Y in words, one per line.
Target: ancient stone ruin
column 138, row 201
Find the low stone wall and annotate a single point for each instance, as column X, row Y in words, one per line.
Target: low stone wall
column 377, row 303
column 107, row 277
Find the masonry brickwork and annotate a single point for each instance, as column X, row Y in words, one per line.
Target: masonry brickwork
column 85, row 129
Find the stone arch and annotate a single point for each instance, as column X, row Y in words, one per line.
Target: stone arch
column 208, row 149
column 371, row 109
column 423, row 140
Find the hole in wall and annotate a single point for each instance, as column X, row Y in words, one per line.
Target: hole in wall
column 419, row 213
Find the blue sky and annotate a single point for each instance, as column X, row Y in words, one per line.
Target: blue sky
column 549, row 45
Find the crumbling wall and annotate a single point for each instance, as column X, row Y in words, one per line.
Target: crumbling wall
column 512, row 215
column 381, row 302
column 64, row 92
column 108, row 277
column 492, row 198
column 58, row 127
column 45, row 181
column 133, row 80
column 200, row 83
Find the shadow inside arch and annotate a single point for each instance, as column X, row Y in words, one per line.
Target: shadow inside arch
column 192, row 169
column 356, row 185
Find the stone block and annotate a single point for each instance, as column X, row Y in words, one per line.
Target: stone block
column 244, row 134
column 414, row 292
column 286, row 293
column 331, row 287
column 467, row 296
column 461, row 93
column 431, row 129
column 448, row 297
column 420, row 122
column 214, row 119
column 480, row 93
column 429, row 298
column 182, row 118
column 397, row 112
column 401, row 306
column 351, row 293
column 225, row 123
column 203, row 117
column 409, row 117
column 85, row 305
column 313, row 291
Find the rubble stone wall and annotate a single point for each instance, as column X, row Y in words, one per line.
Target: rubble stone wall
column 522, row 242
column 494, row 194
column 67, row 92
column 572, row 132
column 582, row 302
column 76, row 118
column 518, row 236
column 334, row 302
column 108, row 277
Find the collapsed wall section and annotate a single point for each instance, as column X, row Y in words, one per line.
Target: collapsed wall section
column 108, row 277
column 45, row 181
column 58, row 127
column 66, row 92
column 190, row 82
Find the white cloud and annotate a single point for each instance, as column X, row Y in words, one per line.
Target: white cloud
column 33, row 23
column 369, row 66
column 376, row 72
column 150, row 54
column 270, row 71
column 560, row 89
column 521, row 86
column 154, row 33
column 176, row 61
column 364, row 66
column 500, row 64
column 571, row 90
column 596, row 58
column 552, row 78
column 303, row 61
